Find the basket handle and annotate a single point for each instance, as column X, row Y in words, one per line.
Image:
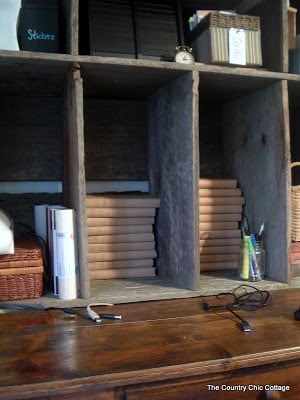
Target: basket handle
column 295, row 164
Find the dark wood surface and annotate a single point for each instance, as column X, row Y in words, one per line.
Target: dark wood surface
column 167, row 348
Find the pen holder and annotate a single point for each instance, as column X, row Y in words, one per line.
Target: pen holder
column 252, row 260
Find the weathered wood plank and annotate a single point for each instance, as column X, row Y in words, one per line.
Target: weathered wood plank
column 174, row 178
column 70, row 14
column 74, row 174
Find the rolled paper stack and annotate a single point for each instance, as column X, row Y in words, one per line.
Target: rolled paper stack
column 121, row 242
column 220, row 212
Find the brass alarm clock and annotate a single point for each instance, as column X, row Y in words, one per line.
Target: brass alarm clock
column 184, row 55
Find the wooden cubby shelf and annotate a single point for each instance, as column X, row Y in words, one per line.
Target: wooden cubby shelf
column 78, row 118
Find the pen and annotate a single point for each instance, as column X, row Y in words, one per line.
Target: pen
column 261, row 230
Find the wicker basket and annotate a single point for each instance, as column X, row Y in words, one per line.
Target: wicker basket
column 210, row 38
column 295, row 217
column 21, row 273
column 219, row 20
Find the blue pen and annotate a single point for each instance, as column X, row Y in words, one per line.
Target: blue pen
column 261, row 230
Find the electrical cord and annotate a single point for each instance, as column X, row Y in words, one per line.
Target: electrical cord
column 243, row 297
column 91, row 314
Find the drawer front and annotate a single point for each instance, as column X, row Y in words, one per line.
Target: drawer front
column 280, row 382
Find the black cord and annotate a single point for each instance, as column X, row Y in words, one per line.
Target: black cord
column 70, row 311
column 243, row 297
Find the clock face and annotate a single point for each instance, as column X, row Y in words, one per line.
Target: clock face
column 184, row 57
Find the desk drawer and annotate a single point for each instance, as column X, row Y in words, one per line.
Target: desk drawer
column 274, row 381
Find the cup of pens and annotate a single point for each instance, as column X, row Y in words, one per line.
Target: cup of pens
column 252, row 260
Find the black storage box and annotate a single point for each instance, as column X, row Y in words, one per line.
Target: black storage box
column 111, row 29
column 38, row 26
column 157, row 30
column 133, row 28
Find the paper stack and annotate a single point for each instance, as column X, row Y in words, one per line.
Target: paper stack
column 295, row 253
column 220, row 211
column 121, row 241
column 295, row 213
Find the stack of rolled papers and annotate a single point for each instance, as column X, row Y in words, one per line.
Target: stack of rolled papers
column 121, row 242
column 220, row 213
column 295, row 214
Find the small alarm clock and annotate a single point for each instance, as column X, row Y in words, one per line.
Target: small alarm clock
column 184, row 55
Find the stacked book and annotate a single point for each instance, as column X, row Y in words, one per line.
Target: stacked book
column 220, row 213
column 121, row 242
column 295, row 214
column 295, row 253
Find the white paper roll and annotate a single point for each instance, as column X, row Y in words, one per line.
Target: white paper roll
column 66, row 256
column 67, row 288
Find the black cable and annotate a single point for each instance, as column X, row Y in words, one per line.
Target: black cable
column 70, row 311
column 244, row 324
column 240, row 298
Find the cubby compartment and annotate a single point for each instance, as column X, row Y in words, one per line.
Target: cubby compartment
column 31, row 161
column 253, row 126
column 140, row 123
column 273, row 42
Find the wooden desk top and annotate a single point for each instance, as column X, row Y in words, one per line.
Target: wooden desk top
column 50, row 351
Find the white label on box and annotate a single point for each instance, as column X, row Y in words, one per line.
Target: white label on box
column 237, row 46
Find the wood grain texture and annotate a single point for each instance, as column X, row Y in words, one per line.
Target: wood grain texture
column 208, row 183
column 74, row 173
column 216, row 192
column 121, row 255
column 113, row 247
column 122, row 200
column 120, row 212
column 217, row 225
column 156, row 349
column 211, row 200
column 221, row 264
column 220, row 234
column 220, row 217
column 126, row 238
column 118, row 264
column 123, row 273
column 119, row 229
column 174, row 178
column 102, row 222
